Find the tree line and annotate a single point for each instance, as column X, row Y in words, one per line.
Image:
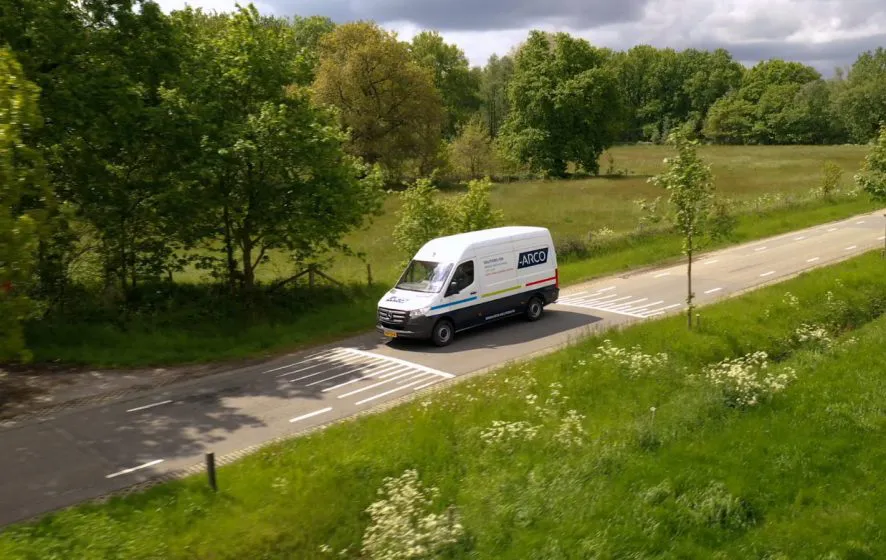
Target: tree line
column 135, row 143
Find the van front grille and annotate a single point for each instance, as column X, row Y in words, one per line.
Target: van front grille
column 392, row 317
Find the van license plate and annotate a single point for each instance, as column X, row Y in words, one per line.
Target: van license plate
column 391, row 334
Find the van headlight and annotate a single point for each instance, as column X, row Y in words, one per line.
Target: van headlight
column 419, row 312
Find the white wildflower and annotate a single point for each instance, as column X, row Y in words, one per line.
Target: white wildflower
column 571, row 432
column 816, row 334
column 791, row 300
column 401, row 526
column 634, row 360
column 747, row 380
column 504, row 432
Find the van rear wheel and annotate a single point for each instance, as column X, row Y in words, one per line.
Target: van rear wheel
column 443, row 332
column 535, row 309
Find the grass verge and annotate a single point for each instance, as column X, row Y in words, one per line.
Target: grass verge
column 624, row 454
column 190, row 331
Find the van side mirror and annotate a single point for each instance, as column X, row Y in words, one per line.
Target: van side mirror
column 453, row 288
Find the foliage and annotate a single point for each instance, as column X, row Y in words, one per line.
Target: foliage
column 861, row 97
column 494, row 81
column 690, row 184
column 872, row 177
column 471, row 153
column 386, row 100
column 831, row 173
column 458, row 86
column 22, row 183
column 565, row 104
column 473, row 210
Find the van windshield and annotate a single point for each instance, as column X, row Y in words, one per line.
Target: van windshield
column 424, row 276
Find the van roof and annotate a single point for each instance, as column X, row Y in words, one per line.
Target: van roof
column 451, row 247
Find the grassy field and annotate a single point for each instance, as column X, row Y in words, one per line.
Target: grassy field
column 635, row 453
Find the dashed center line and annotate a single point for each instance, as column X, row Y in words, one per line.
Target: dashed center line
column 133, row 469
column 711, row 291
column 770, row 273
column 813, row 259
column 801, row 238
column 760, row 249
column 712, row 261
column 311, row 414
column 851, row 247
column 860, row 222
column 147, row 406
column 662, row 274
column 832, row 229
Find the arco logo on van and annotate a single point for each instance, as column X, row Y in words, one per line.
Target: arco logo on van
column 532, row 258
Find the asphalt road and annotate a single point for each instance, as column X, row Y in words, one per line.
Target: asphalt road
column 85, row 453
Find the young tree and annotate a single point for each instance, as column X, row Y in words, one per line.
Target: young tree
column 690, row 184
column 495, row 78
column 21, row 179
column 471, row 152
column 473, row 210
column 872, row 177
column 386, row 100
column 565, row 104
column 421, row 217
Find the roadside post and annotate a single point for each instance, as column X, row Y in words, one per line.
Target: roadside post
column 210, row 471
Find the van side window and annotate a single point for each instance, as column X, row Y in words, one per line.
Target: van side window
column 463, row 277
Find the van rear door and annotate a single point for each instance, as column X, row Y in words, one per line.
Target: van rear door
column 536, row 261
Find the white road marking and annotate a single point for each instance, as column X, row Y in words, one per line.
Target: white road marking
column 628, row 304
column 635, row 309
column 590, row 299
column 770, row 273
column 881, row 238
column 335, row 366
column 813, row 259
column 662, row 274
column 860, row 222
column 832, row 229
column 367, row 367
column 711, row 291
column 712, row 261
column 851, row 247
column 801, row 238
column 373, row 397
column 147, row 406
column 609, row 289
column 311, row 414
column 380, row 383
column 390, row 369
column 133, row 469
column 653, row 312
column 428, row 384
column 307, row 359
column 760, row 249
column 318, row 364
column 399, row 361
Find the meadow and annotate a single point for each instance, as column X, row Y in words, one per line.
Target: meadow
column 757, row 435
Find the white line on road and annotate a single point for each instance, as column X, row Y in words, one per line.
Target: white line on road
column 712, row 261
column 609, row 289
column 307, row 359
column 770, row 273
column 659, row 311
column 654, row 303
column 147, row 406
column 133, row 469
column 380, row 383
column 881, row 238
column 860, row 222
column 627, row 304
column 813, row 259
column 832, row 229
column 335, row 366
column 428, row 384
column 662, row 274
column 588, row 299
column 713, row 290
column 364, row 368
column 399, row 361
column 311, row 414
column 801, row 238
column 390, row 369
column 373, row 397
column 760, row 249
column 851, row 247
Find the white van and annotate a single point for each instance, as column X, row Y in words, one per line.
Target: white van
column 462, row 281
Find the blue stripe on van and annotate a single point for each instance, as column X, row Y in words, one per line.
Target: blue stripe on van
column 454, row 303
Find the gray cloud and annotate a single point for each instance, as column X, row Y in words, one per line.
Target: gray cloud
column 473, row 15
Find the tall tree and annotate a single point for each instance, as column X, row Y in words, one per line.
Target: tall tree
column 471, row 153
column 872, row 177
column 691, row 186
column 458, row 86
column 565, row 104
column 307, row 34
column 269, row 170
column 861, row 101
column 21, row 179
column 386, row 100
column 495, row 78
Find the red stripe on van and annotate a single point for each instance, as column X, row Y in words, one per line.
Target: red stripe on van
column 541, row 281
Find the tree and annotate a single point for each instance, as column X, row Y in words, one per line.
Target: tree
column 730, row 120
column 458, row 86
column 861, row 99
column 21, row 178
column 872, row 177
column 307, row 33
column 495, row 78
column 386, row 100
column 565, row 104
column 471, row 152
column 269, row 169
column 473, row 210
column 690, row 183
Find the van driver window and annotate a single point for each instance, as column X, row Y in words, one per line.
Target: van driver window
column 464, row 275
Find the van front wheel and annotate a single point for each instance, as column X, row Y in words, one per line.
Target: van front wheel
column 443, row 332
column 534, row 309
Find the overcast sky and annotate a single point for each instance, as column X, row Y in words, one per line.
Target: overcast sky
column 822, row 33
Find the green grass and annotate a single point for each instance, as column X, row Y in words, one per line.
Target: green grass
column 798, row 476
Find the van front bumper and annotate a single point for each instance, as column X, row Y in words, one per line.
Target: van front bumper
column 417, row 327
